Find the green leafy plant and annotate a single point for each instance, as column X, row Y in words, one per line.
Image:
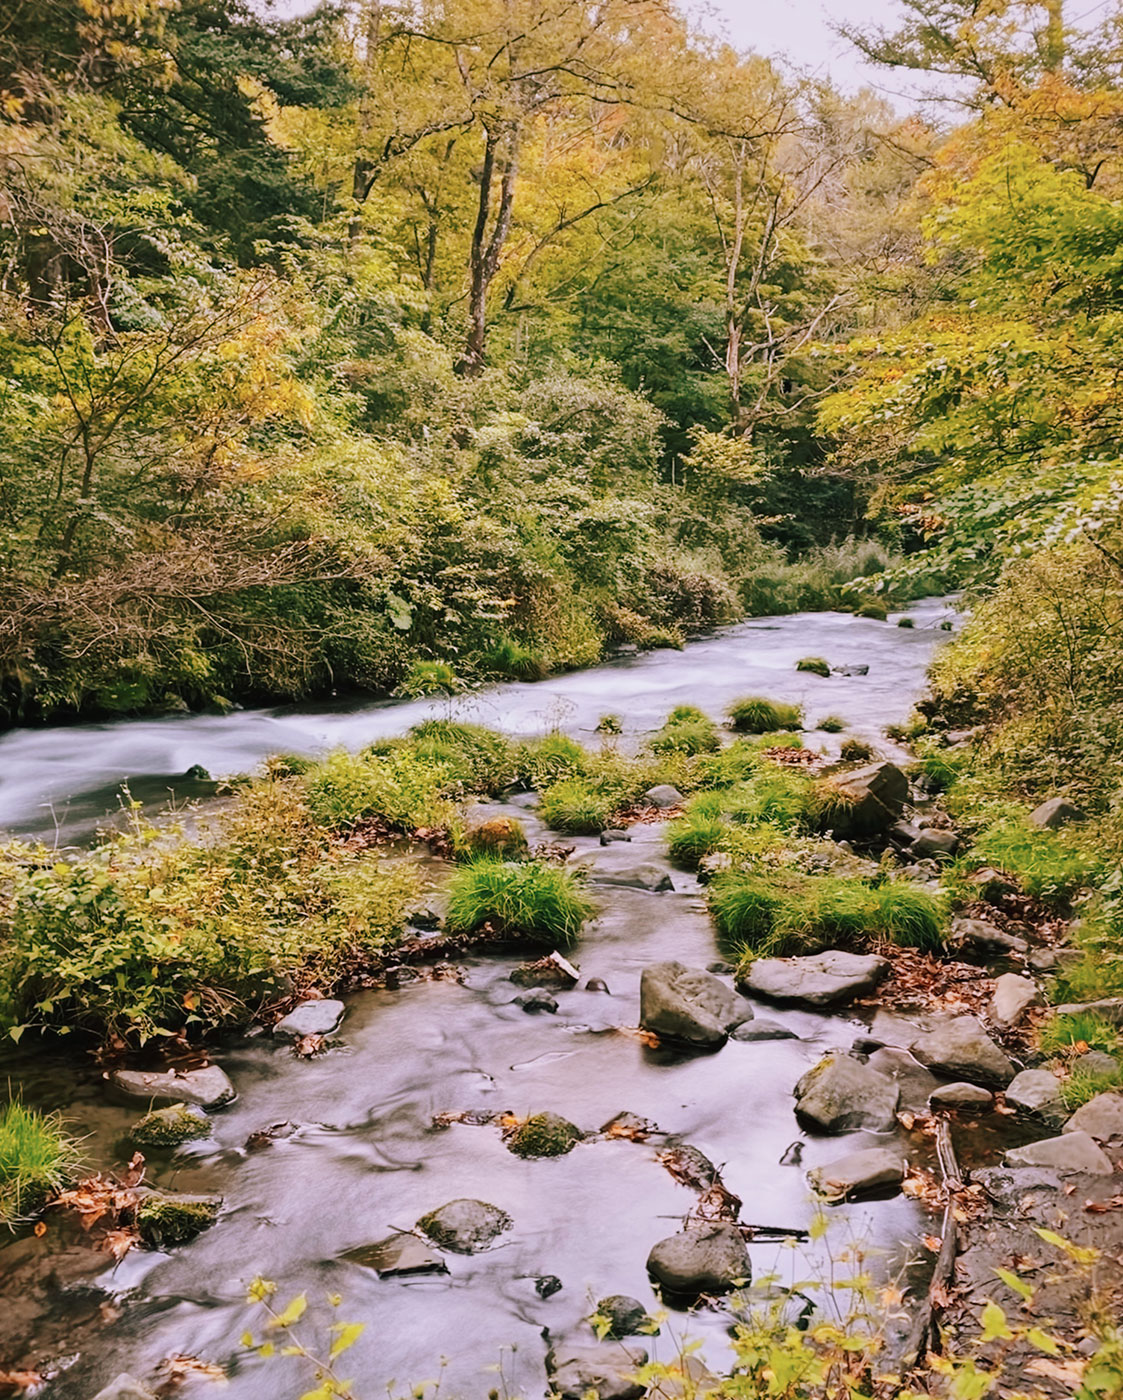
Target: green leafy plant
column 540, row 900
column 37, row 1156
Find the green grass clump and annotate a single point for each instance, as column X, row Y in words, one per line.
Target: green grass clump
column 550, row 758
column 509, row 658
column 403, row 788
column 816, row 665
column 694, row 836
column 479, row 759
column 757, row 715
column 941, row 767
column 534, row 898
column 430, row 678
column 579, row 806
column 687, row 731
column 855, row 750
column 36, row 1157
column 905, row 622
column 831, row 724
column 1060, row 1033
column 504, row 838
column 1084, row 1084
column 1050, row 865
column 873, row 609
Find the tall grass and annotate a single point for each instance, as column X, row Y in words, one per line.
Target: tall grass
column 578, row 806
column 535, row 898
column 1050, row 865
column 755, row 714
column 36, row 1157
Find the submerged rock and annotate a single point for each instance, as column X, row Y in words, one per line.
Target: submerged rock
column 465, row 1226
column 762, row 1029
column 1101, row 1118
column 553, row 971
column 206, row 1088
column 839, row 1095
column 960, row 1046
column 400, row 1253
column 544, row 1135
column 537, row 1000
column 613, row 835
column 652, row 878
column 318, row 1017
column 871, row 1170
column 702, row 1259
column 824, row 979
column 169, row 1126
column 607, row 1371
column 1070, row 1154
column 962, row 1095
column 686, row 1004
column 164, row 1218
column 547, row 1285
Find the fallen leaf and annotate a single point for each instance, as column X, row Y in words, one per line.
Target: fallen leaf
column 178, row 1367
column 40, row 1229
column 119, row 1242
column 932, row 1242
column 1067, row 1372
column 23, row 1382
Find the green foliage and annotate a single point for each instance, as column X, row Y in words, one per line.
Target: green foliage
column 549, row 759
column 688, row 731
column 579, row 806
column 757, row 715
column 816, row 665
column 503, row 838
column 400, row 787
column 694, row 836
column 1083, row 1084
column 1050, row 865
column 543, row 1135
column 163, row 1219
column 873, row 609
column 855, row 750
column 831, row 724
column 542, row 901
column 170, row 1126
column 37, row 1156
column 1059, row 1034
column 479, row 759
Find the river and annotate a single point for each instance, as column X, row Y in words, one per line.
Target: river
column 362, row 1156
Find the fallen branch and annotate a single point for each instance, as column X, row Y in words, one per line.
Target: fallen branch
column 924, row 1335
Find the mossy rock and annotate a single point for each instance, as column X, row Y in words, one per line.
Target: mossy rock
column 873, row 609
column 164, row 1219
column 815, row 664
column 905, row 622
column 544, row 1135
column 502, row 837
column 855, row 751
column 171, row 1126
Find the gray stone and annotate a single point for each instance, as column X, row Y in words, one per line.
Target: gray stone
column 1013, row 996
column 1097, row 1062
column 1101, row 1118
column 978, row 937
column 914, row 1083
column 652, row 878
column 553, row 971
column 687, row 1004
column 166, row 1218
column 319, row 1017
column 606, row 1371
column 852, row 669
column 610, row 837
column 1036, row 1091
column 869, row 1170
column 959, row 1047
column 1110, row 1008
column 992, row 884
column 715, row 864
column 1070, row 1154
column 903, row 834
column 625, row 1316
column 703, row 1259
column 664, row 795
column 874, row 796
column 839, row 1095
column 762, row 1029
column 537, row 1000
column 206, row 1088
column 971, row 1096
column 1008, row 1186
column 465, row 1226
column 824, row 979
column 934, row 844
column 400, row 1253
column 900, row 1032
column 547, row 1285
column 124, row 1387
column 1055, row 812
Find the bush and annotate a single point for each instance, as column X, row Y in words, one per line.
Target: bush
column 578, row 806
column 873, row 609
column 816, row 665
column 905, row 622
column 831, row 724
column 430, row 678
column 757, row 715
column 36, row 1157
column 508, row 658
column 552, row 757
column 534, row 898
column 404, row 789
column 479, row 759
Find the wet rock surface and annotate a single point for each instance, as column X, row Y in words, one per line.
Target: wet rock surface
column 624, row 1316
column 465, row 1226
column 319, row 1017
column 960, row 1046
column 1036, row 1091
column 824, row 979
column 875, row 1169
column 961, row 1096
column 400, row 1253
column 688, row 1005
column 607, row 1371
column 1071, row 1153
column 208, row 1087
column 841, row 1095
column 701, row 1259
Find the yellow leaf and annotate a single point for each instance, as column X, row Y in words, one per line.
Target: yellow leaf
column 346, row 1335
column 994, row 1324
column 293, row 1313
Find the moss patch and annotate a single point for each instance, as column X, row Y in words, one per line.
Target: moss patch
column 164, row 1220
column 544, row 1135
column 170, row 1126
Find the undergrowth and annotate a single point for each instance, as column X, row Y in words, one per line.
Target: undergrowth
column 540, row 900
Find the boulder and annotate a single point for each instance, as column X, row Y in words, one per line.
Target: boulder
column 871, row 799
column 871, row 1170
column 702, row 1259
column 625, row 1316
column 465, row 1226
column 319, row 1017
column 606, row 1371
column 900, row 1032
column 1096, row 1062
column 1013, row 996
column 537, row 1000
column 1019, row 1189
column 825, row 979
column 959, row 1047
column 762, row 1029
column 687, row 1004
column 1101, row 1118
column 664, row 795
column 553, row 971
column 648, row 876
column 544, row 1135
column 915, row 1084
column 936, row 843
column 610, row 837
column 164, row 1218
column 400, row 1253
column 963, row 1096
column 1055, row 812
column 546, row 1285
column 124, row 1387
column 903, row 834
column 171, row 1125
column 1070, row 1154
column 993, row 885
column 977, row 937
column 840, row 1095
column 1036, row 1091
column 205, row 1088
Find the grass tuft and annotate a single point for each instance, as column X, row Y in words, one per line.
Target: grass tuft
column 831, row 724
column 579, row 806
column 756, row 714
column 534, row 898
column 816, row 665
column 36, row 1157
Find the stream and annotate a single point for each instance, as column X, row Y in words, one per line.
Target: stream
column 361, row 1156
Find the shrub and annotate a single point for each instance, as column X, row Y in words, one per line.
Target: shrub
column 403, row 788
column 831, row 724
column 534, row 898
column 757, row 715
column 816, row 665
column 905, row 622
column 430, row 678
column 874, row 609
column 578, row 806
column 37, row 1157
column 552, row 757
column 855, row 750
column 479, row 759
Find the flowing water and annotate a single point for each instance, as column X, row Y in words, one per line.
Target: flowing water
column 362, row 1156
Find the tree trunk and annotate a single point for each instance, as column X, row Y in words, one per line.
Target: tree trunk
column 363, row 173
column 486, row 249
column 1053, row 51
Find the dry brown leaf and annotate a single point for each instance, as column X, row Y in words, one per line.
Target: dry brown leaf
column 119, row 1242
column 1067, row 1372
column 932, row 1242
column 40, row 1229
column 178, row 1367
column 22, row 1382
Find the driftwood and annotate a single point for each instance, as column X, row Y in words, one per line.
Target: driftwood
column 924, row 1334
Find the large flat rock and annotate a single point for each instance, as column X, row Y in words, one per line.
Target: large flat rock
column 319, row 1017
column 1036, row 1091
column 1070, row 1154
column 825, row 979
column 1101, row 1118
column 874, row 1169
column 702, row 1259
column 208, row 1087
column 607, row 1371
column 465, row 1226
column 840, row 1095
